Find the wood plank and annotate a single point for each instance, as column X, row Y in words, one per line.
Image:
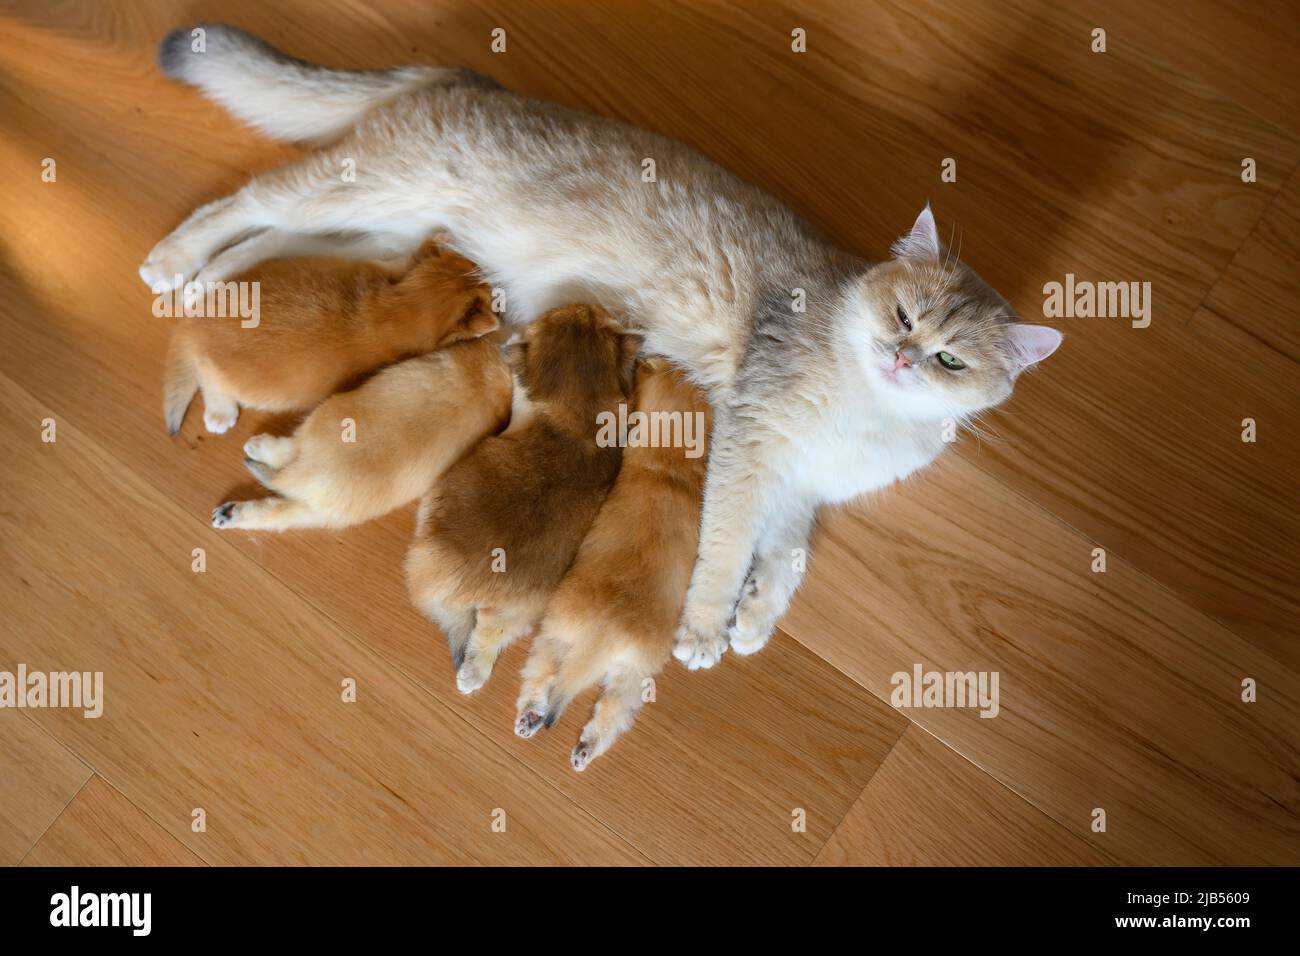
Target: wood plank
column 38, row 777
column 929, row 806
column 1245, row 51
column 1259, row 293
column 103, row 828
column 1113, row 693
column 223, row 690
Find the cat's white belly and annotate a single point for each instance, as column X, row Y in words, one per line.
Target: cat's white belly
column 838, row 470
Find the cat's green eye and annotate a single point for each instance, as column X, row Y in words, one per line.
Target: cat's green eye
column 950, row 361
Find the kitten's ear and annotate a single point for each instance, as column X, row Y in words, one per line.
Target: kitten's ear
column 629, row 348
column 479, row 319
column 1031, row 344
column 922, row 242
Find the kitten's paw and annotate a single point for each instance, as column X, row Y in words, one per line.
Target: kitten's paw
column 697, row 649
column 472, row 675
column 582, row 755
column 529, row 722
column 258, row 448
column 225, row 515
column 219, row 420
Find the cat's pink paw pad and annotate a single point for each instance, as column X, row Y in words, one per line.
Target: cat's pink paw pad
column 582, row 755
column 224, row 515
column 529, row 723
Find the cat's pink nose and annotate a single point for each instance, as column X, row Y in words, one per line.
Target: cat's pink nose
column 901, row 361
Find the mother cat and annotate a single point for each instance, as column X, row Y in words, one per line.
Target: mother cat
column 829, row 376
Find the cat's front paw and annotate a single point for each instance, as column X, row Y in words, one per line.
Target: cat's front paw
column 755, row 618
column 168, row 266
column 698, row 647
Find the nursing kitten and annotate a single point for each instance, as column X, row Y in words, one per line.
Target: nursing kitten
column 612, row 619
column 323, row 321
column 829, row 376
column 411, row 422
column 497, row 532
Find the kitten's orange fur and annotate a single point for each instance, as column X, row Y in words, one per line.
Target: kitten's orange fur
column 500, row 528
column 323, row 322
column 612, row 619
column 409, row 423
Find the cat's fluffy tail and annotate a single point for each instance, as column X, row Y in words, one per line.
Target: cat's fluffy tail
column 180, row 382
column 281, row 96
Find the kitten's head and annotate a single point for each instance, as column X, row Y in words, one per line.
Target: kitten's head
column 935, row 338
column 575, row 355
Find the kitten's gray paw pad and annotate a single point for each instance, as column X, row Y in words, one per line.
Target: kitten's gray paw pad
column 223, row 516
column 582, row 755
column 529, row 723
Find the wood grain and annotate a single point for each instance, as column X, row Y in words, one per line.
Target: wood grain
column 100, row 827
column 1113, row 693
column 38, row 778
column 1259, row 292
column 929, row 806
column 1246, row 51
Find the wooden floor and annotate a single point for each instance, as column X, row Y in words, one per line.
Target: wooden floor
column 1120, row 691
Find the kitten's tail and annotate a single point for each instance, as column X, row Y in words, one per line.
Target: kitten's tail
column 284, row 97
column 180, row 382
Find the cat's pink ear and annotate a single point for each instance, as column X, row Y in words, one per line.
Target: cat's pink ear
column 1031, row 344
column 922, row 242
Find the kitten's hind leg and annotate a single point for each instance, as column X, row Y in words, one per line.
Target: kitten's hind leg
column 264, row 514
column 494, row 630
column 220, row 411
column 614, row 713
column 270, row 450
column 539, row 677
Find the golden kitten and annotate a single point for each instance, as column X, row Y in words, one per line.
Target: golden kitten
column 613, row 617
column 363, row 453
column 500, row 528
column 323, row 322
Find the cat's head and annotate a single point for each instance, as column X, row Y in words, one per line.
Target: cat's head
column 936, row 340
